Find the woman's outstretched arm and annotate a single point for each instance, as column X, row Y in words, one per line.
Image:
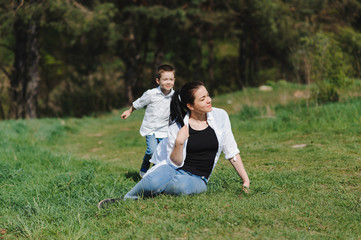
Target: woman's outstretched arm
column 238, row 165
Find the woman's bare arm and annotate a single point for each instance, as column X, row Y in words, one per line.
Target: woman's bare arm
column 177, row 154
column 238, row 165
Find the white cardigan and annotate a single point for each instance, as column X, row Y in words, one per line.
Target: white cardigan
column 218, row 120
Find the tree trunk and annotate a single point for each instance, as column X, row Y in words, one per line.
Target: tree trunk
column 159, row 52
column 211, row 61
column 31, row 90
column 131, row 59
column 130, row 80
column 242, row 62
column 18, row 76
column 2, row 113
column 24, row 79
column 198, row 76
column 254, row 61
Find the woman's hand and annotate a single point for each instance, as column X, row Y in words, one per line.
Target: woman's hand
column 183, row 135
column 177, row 154
column 238, row 165
column 245, row 187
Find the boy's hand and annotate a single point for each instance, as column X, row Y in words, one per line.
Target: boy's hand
column 125, row 114
column 183, row 134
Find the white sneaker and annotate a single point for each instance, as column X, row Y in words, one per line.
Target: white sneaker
column 141, row 174
column 104, row 203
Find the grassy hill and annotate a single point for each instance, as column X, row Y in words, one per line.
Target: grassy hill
column 303, row 161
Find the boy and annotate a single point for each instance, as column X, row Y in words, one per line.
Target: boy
column 155, row 123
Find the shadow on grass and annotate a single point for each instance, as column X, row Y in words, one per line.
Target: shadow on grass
column 133, row 175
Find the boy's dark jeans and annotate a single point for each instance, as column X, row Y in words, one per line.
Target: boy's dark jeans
column 152, row 143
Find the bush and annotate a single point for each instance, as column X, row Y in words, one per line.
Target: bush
column 330, row 67
column 326, row 93
column 350, row 42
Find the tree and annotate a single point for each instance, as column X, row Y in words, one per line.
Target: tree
column 24, row 79
column 141, row 28
column 63, row 30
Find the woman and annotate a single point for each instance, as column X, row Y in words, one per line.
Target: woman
column 197, row 135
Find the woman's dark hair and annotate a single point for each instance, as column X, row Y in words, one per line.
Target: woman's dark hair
column 180, row 99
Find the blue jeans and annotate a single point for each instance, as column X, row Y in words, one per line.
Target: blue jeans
column 152, row 143
column 168, row 180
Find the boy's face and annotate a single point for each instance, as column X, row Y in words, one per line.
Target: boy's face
column 166, row 81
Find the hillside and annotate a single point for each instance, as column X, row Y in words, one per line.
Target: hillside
column 303, row 161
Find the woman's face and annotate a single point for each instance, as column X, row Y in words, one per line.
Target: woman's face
column 202, row 101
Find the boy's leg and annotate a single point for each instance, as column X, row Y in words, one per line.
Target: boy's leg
column 151, row 146
column 152, row 184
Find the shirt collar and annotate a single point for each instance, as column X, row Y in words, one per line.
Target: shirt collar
column 210, row 119
column 186, row 119
column 169, row 95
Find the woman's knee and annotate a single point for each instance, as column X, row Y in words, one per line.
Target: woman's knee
column 160, row 177
column 184, row 186
column 177, row 188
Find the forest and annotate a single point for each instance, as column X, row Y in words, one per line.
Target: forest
column 61, row 58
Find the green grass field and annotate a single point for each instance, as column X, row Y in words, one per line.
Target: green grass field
column 303, row 161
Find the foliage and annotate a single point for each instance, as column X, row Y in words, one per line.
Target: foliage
column 350, row 43
column 330, row 67
column 118, row 45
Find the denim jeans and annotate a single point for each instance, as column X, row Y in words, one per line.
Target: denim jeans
column 168, row 180
column 152, row 143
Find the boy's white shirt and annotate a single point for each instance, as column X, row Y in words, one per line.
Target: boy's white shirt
column 218, row 120
column 156, row 115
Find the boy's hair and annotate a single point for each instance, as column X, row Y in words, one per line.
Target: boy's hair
column 164, row 68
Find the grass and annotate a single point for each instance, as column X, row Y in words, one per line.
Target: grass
column 303, row 161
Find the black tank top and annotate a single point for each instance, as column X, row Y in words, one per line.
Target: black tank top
column 201, row 150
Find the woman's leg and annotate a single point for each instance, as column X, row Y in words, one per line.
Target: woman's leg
column 152, row 184
column 184, row 183
column 164, row 179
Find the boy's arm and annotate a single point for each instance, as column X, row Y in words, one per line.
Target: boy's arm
column 127, row 113
column 141, row 102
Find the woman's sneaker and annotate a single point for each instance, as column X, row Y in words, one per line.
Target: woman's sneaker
column 104, row 203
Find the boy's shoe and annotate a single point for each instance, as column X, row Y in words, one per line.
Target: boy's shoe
column 141, row 173
column 104, row 203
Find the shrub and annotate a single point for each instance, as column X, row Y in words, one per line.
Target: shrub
column 350, row 42
column 329, row 66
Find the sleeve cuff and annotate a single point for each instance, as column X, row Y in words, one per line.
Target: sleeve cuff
column 232, row 154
